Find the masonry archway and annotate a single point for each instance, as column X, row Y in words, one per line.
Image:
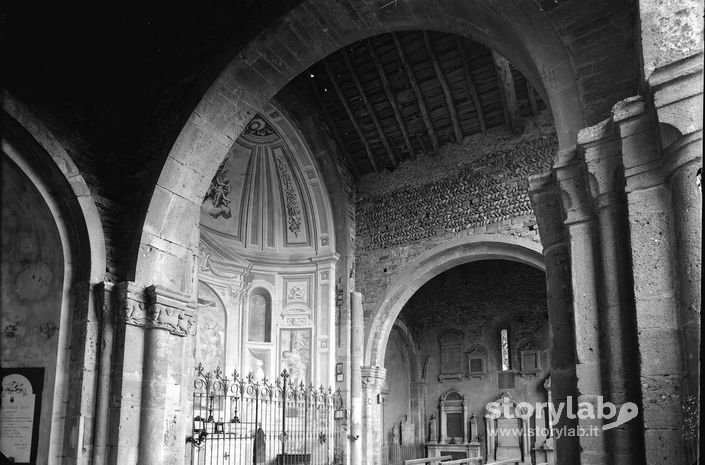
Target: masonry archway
column 258, row 72
column 430, row 264
column 54, row 251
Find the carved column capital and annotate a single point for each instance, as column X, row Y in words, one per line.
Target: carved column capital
column 155, row 307
column 574, row 188
column 373, row 377
column 600, row 145
column 641, row 155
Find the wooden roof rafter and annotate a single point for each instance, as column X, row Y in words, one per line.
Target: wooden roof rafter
column 351, row 116
column 334, row 130
column 417, row 91
column 440, row 76
column 390, row 97
column 472, row 90
column 368, row 105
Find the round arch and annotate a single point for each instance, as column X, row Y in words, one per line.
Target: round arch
column 430, row 264
column 41, row 158
column 407, row 341
column 303, row 36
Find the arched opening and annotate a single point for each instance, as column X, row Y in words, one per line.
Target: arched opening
column 53, row 252
column 482, row 329
column 435, row 261
column 531, row 44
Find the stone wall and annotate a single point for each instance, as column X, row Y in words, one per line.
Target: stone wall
column 478, row 187
column 30, row 298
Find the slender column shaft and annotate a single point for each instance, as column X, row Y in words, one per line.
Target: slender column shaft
column 356, row 343
column 545, row 199
column 584, row 269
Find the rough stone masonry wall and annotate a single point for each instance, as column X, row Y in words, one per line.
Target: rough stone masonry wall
column 478, row 187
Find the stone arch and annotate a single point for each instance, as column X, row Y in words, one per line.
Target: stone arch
column 407, row 340
column 432, row 263
column 42, row 160
column 265, row 65
column 55, row 170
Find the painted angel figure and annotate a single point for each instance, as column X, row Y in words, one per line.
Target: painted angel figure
column 218, row 192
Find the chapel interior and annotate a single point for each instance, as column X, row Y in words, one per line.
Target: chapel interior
column 379, row 232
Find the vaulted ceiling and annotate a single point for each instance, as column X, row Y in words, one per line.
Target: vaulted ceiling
column 394, row 96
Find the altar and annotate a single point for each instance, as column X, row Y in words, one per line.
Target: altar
column 458, row 435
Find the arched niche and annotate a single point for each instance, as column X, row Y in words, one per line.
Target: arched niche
column 259, row 321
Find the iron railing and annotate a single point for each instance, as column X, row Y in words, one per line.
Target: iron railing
column 244, row 420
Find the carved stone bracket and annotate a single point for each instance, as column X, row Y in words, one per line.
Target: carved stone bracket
column 155, row 308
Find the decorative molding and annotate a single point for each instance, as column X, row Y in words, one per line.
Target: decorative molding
column 373, row 377
column 477, row 352
column 155, row 307
column 259, row 127
column 291, row 197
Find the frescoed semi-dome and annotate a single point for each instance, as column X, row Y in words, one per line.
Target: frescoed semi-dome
column 267, row 198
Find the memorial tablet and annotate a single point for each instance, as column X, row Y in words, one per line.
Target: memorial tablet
column 20, row 407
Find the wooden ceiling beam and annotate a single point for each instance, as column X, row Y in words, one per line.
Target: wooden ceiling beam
column 334, row 130
column 440, row 75
column 390, row 97
column 508, row 92
column 368, row 105
column 419, row 96
column 471, row 84
column 351, row 116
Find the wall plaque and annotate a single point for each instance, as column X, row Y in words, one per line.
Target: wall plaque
column 20, row 407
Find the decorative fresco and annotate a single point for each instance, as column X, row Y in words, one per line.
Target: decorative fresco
column 295, row 354
column 295, row 232
column 210, row 329
column 258, row 198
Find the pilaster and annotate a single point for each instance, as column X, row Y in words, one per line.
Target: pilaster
column 372, row 381
column 147, row 374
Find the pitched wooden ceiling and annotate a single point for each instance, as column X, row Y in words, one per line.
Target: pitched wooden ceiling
column 393, row 96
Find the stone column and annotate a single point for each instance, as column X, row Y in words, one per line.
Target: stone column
column 373, row 437
column 143, row 370
column 545, row 199
column 601, row 148
column 357, row 339
column 653, row 248
column 103, row 295
column 417, row 399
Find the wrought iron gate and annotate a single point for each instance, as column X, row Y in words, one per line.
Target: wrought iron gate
column 238, row 421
